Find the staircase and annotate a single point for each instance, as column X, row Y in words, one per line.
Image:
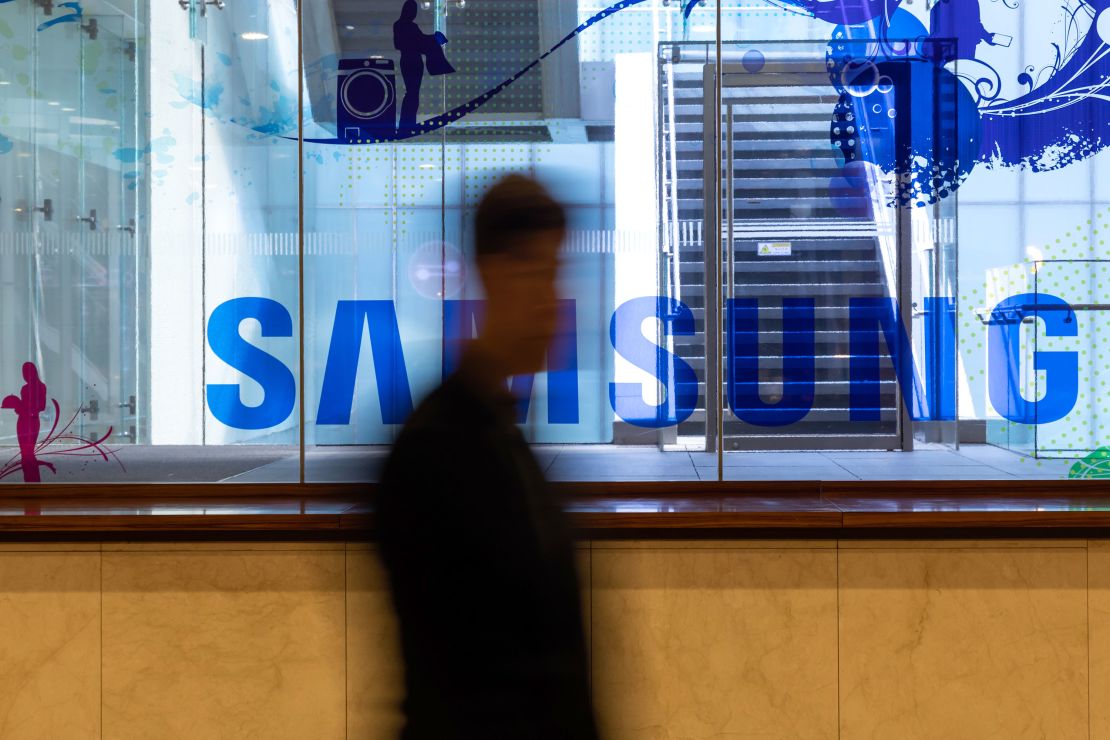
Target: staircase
column 782, row 163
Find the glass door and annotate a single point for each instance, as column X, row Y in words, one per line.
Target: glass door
column 810, row 254
column 932, row 235
column 58, row 341
column 107, row 219
column 18, row 221
column 836, row 270
column 69, row 220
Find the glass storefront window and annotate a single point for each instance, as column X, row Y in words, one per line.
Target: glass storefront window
column 808, row 240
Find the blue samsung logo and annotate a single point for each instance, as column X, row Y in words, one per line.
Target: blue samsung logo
column 873, row 323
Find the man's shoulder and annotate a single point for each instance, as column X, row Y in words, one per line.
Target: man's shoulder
column 446, row 406
column 448, row 419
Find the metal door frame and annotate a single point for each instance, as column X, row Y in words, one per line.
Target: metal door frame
column 714, row 359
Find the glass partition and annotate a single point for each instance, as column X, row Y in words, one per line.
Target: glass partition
column 1072, row 309
column 74, row 244
column 808, row 240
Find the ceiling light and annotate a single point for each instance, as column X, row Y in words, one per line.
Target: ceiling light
column 254, row 36
column 349, row 28
column 4, row 82
column 53, row 102
column 69, row 110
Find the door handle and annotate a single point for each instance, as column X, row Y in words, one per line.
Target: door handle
column 220, row 5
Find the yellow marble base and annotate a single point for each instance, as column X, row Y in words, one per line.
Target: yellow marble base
column 688, row 640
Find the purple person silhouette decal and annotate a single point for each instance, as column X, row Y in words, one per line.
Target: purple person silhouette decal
column 27, row 406
column 963, row 23
column 415, row 46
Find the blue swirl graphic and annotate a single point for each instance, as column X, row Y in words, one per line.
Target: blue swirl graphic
column 73, row 17
column 1061, row 118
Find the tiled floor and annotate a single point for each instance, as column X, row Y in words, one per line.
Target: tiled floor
column 610, row 463
column 280, row 464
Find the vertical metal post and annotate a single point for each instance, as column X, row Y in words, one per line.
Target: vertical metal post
column 903, row 225
column 203, row 249
column 300, row 237
column 718, row 329
column 729, row 205
column 711, row 152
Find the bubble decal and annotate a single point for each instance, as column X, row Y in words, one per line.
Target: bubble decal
column 1043, row 118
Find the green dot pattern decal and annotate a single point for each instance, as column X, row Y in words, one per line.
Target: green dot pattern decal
column 1071, row 267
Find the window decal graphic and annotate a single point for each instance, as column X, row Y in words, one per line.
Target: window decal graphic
column 28, row 406
column 1043, row 119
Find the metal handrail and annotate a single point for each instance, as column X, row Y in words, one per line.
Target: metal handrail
column 1018, row 314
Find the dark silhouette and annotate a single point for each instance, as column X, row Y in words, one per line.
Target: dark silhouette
column 962, row 23
column 414, row 46
column 27, row 406
column 479, row 554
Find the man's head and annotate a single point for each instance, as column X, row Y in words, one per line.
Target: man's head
column 409, row 10
column 519, row 230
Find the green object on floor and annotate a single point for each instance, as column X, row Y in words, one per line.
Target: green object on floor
column 1095, row 465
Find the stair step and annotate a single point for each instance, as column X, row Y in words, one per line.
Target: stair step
column 822, row 363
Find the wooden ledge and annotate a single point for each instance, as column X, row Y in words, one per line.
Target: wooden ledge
column 598, row 510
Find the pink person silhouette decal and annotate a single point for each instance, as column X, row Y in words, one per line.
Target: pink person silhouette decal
column 28, row 405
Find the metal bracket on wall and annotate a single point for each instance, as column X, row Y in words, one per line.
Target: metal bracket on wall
column 46, row 209
column 130, row 405
column 91, row 29
column 90, row 219
column 47, row 6
column 188, row 4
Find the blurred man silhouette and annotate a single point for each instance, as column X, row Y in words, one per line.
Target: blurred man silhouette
column 479, row 556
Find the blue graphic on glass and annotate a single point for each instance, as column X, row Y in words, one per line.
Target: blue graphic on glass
column 1061, row 369
column 872, row 321
column 73, row 17
column 366, row 90
column 366, row 99
column 277, row 381
column 342, row 366
column 437, row 63
column 417, row 49
column 628, row 340
column 1059, row 118
column 799, row 362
